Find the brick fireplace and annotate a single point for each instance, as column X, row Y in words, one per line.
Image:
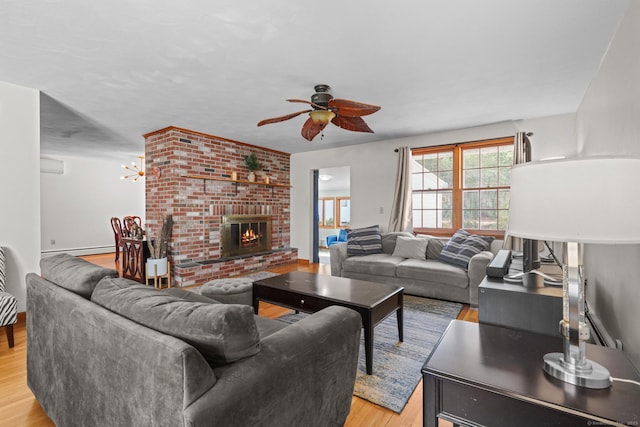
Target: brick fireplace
column 189, row 175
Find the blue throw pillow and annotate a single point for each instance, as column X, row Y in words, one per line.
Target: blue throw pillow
column 462, row 246
column 364, row 241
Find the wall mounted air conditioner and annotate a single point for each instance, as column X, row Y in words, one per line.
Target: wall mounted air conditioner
column 52, row 166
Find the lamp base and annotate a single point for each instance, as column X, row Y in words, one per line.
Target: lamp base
column 591, row 375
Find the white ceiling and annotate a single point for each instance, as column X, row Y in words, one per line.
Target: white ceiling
column 111, row 71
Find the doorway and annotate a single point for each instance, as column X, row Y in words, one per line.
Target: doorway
column 332, row 206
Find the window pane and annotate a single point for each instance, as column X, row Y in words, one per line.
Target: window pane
column 505, row 177
column 429, row 200
column 446, row 217
column 446, row 179
column 429, row 219
column 470, row 200
column 506, row 155
column 445, row 161
column 328, row 213
column 416, row 181
column 470, row 219
column 416, row 165
column 503, row 219
column 503, row 199
column 416, row 200
column 488, row 199
column 489, row 157
column 430, row 181
column 446, row 200
column 488, row 220
column 471, row 178
column 489, row 177
column 430, row 162
column 417, row 218
column 471, row 159
column 345, row 212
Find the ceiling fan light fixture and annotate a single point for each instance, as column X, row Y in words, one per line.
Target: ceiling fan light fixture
column 322, row 116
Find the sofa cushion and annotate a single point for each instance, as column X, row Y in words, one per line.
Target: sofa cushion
column 411, row 247
column 462, row 246
column 364, row 241
column 378, row 264
column 389, row 240
column 223, row 333
column 74, row 274
column 433, row 271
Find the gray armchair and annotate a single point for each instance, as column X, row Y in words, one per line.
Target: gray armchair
column 8, row 306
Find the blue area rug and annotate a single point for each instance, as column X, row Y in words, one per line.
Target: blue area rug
column 396, row 365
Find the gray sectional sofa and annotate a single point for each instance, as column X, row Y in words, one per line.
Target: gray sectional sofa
column 427, row 277
column 105, row 351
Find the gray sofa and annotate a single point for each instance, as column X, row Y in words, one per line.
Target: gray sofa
column 429, row 278
column 87, row 365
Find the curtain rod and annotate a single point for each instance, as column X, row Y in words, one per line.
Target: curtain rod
column 431, row 146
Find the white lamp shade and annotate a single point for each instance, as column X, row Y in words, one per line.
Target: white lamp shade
column 586, row 200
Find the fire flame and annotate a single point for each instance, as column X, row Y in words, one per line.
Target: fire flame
column 249, row 237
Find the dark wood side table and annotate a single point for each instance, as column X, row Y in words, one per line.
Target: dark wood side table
column 488, row 375
column 310, row 292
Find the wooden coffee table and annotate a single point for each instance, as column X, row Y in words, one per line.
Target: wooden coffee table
column 310, row 292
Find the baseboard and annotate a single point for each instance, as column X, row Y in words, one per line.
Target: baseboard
column 303, row 261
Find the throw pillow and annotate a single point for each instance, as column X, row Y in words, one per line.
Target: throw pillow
column 411, row 247
column 364, row 241
column 435, row 247
column 223, row 333
column 462, row 246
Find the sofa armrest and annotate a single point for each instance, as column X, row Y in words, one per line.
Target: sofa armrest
column 304, row 374
column 477, row 270
column 337, row 255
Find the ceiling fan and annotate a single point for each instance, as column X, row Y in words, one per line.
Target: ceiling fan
column 341, row 112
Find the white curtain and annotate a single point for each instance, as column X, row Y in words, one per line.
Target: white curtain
column 401, row 216
column 521, row 154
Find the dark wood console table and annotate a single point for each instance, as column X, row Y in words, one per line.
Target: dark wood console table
column 481, row 374
column 134, row 258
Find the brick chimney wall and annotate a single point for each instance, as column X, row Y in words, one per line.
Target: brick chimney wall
column 198, row 204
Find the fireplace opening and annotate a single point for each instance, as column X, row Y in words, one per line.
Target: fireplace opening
column 245, row 234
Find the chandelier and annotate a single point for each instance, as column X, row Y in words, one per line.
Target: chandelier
column 136, row 172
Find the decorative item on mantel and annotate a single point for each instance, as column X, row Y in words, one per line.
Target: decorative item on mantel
column 157, row 262
column 234, row 176
column 252, row 163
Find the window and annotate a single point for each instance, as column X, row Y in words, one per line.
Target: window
column 334, row 212
column 326, row 212
column 462, row 186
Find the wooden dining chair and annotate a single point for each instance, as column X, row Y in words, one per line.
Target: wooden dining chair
column 118, row 234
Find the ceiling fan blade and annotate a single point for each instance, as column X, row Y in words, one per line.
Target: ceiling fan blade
column 356, row 124
column 304, row 101
column 352, row 108
column 311, row 129
column 281, row 118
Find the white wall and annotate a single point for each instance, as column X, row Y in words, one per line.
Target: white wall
column 78, row 205
column 373, row 169
column 608, row 122
column 19, row 185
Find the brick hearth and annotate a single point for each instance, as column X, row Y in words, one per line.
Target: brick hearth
column 173, row 156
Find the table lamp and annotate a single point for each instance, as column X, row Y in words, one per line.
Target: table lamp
column 576, row 201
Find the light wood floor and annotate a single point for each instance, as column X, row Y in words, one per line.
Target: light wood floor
column 18, row 406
